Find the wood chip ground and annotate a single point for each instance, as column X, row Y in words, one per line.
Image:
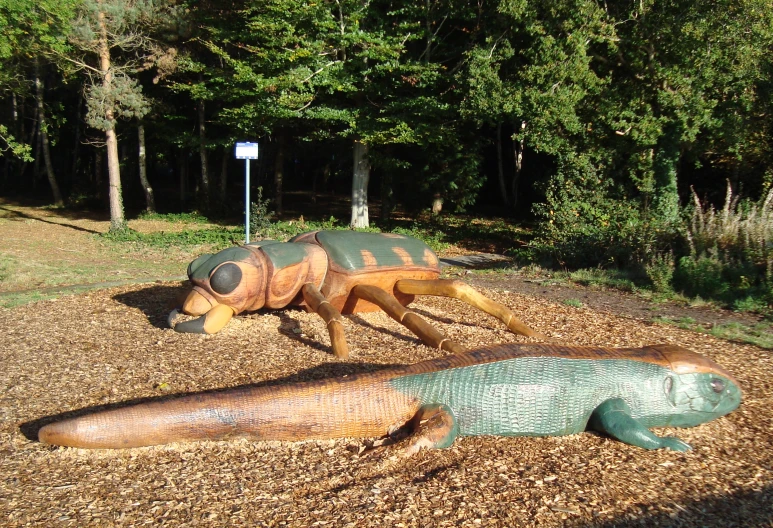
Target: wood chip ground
column 112, row 345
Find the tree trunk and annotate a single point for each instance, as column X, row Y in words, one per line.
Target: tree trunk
column 387, row 195
column 430, row 35
column 279, row 164
column 10, row 160
column 501, row 168
column 203, row 154
column 37, row 155
column 518, row 158
column 183, row 171
column 77, row 141
column 117, row 220
column 437, row 204
column 30, row 138
column 150, row 203
column 223, row 177
column 360, row 186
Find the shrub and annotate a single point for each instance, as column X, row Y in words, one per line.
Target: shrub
column 741, row 231
column 587, row 222
column 729, row 252
column 260, row 216
column 660, row 272
column 701, row 276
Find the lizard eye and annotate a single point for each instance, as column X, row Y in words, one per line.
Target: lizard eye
column 668, row 385
column 225, row 278
column 717, row 385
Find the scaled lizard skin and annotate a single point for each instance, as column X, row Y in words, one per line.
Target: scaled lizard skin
column 509, row 389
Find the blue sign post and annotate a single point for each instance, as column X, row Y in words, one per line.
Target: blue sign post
column 247, row 152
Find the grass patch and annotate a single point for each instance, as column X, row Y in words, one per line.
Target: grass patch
column 576, row 303
column 6, row 263
column 760, row 334
column 600, row 278
column 174, row 218
column 21, row 298
column 215, row 237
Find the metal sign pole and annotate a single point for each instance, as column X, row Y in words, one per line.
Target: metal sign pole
column 247, row 201
column 247, row 152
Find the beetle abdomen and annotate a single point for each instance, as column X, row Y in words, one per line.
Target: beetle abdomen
column 376, row 259
column 355, row 252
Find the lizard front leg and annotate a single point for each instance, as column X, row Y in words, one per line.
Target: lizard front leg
column 613, row 417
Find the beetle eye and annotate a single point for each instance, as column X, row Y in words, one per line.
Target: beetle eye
column 226, row 278
column 717, row 385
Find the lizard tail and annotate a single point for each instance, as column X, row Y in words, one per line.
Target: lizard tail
column 323, row 409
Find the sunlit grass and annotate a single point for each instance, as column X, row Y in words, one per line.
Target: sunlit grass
column 760, row 334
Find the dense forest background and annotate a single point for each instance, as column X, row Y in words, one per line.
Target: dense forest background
column 615, row 127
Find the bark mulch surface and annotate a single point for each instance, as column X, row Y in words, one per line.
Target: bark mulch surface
column 112, row 345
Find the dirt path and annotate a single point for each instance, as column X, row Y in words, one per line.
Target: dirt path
column 615, row 302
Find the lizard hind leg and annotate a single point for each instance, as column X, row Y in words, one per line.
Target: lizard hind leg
column 434, row 427
column 466, row 293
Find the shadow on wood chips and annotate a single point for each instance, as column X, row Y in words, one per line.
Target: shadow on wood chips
column 713, row 511
column 155, row 301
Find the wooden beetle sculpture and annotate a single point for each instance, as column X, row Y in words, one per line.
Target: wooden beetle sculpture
column 330, row 273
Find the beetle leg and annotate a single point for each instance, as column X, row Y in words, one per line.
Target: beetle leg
column 411, row 320
column 465, row 292
column 332, row 317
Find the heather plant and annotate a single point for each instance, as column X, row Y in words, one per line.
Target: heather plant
column 730, row 256
column 740, row 231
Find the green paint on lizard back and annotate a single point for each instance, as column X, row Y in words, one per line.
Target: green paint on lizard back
column 547, row 396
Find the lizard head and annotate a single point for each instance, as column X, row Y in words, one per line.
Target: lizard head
column 697, row 389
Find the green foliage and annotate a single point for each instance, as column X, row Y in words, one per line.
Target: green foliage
column 704, row 276
column 8, row 143
column 574, row 303
column 260, row 216
column 588, row 222
column 660, row 271
column 174, row 218
column 215, row 237
column 123, row 98
column 433, row 237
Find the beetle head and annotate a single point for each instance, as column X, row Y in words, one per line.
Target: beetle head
column 235, row 277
